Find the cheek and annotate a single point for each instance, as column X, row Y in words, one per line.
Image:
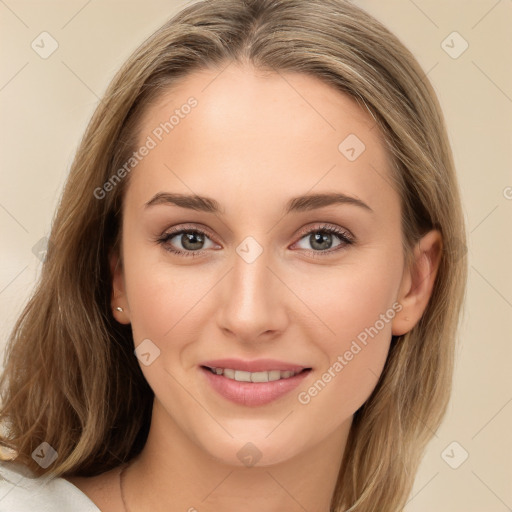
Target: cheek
column 358, row 305
column 352, row 297
column 346, row 383
column 162, row 302
column 165, row 300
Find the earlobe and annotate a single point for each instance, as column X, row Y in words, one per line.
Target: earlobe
column 118, row 300
column 418, row 282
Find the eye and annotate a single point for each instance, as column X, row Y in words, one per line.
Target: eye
column 194, row 242
column 322, row 239
column 186, row 242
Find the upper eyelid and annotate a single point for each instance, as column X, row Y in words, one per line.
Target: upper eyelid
column 327, row 226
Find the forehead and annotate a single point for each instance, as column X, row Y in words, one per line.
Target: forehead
column 270, row 133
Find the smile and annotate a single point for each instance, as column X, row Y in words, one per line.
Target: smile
column 254, row 383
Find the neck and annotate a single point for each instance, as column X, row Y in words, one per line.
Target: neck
column 173, row 473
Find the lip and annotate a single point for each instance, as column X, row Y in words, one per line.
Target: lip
column 258, row 365
column 252, row 394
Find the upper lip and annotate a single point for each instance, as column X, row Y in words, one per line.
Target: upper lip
column 257, row 365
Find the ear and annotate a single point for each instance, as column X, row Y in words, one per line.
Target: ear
column 418, row 282
column 118, row 299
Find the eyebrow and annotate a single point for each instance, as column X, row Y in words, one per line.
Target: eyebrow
column 296, row 204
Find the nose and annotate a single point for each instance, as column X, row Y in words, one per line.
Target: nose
column 252, row 302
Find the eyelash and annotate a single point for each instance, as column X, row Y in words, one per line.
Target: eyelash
column 343, row 235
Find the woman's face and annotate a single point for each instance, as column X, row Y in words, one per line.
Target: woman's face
column 265, row 279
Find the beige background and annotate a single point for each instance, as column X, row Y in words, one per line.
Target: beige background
column 45, row 104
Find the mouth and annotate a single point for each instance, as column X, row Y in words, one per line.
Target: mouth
column 253, row 383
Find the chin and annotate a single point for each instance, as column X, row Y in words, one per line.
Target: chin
column 251, row 450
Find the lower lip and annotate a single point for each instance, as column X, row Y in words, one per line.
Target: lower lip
column 252, row 394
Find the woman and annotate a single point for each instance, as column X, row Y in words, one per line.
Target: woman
column 254, row 277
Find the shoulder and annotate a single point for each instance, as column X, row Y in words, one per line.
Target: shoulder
column 21, row 491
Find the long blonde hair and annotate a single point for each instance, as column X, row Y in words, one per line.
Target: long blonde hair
column 70, row 377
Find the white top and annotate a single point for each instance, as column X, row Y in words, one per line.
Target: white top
column 20, row 491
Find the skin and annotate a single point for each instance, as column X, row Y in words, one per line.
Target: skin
column 253, row 142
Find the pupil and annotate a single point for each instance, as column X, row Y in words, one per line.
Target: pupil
column 191, row 240
column 321, row 240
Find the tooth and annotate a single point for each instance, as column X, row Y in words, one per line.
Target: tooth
column 274, row 375
column 259, row 377
column 242, row 376
column 230, row 374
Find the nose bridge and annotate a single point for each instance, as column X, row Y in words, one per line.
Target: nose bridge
column 253, row 301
